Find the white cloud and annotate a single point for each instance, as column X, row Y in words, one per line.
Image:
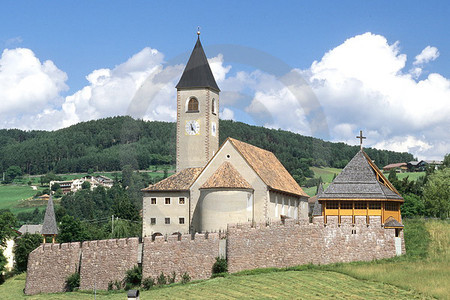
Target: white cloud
column 428, row 54
column 362, row 84
column 227, row 114
column 28, row 87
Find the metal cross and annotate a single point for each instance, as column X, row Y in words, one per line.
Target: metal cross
column 360, row 137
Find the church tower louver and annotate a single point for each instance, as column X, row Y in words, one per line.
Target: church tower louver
column 197, row 112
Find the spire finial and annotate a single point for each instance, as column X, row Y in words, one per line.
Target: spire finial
column 360, row 137
column 198, row 30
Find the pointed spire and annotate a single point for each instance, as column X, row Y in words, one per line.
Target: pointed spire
column 197, row 73
column 49, row 227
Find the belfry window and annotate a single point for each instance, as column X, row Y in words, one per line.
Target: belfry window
column 192, row 105
column 213, row 106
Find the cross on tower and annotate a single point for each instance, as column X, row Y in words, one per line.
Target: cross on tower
column 360, row 137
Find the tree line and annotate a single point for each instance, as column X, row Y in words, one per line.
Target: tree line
column 111, row 143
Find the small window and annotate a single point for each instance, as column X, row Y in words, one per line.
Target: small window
column 346, row 205
column 332, row 205
column 213, row 106
column 152, row 221
column 181, row 200
column 153, row 201
column 167, row 220
column 181, row 220
column 192, row 105
column 374, row 205
column 167, row 201
column 360, row 205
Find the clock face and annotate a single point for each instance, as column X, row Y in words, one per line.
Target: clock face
column 213, row 128
column 192, row 127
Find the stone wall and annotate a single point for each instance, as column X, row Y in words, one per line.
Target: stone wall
column 180, row 254
column 49, row 265
column 280, row 244
column 298, row 242
column 106, row 260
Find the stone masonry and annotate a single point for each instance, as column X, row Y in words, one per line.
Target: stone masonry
column 280, row 244
column 107, row 260
column 49, row 265
column 180, row 254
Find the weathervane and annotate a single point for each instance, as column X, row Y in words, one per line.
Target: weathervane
column 198, row 30
column 360, row 137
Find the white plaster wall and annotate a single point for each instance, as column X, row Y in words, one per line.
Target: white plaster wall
column 160, row 211
column 228, row 153
column 220, row 207
column 196, row 150
column 295, row 207
column 9, row 254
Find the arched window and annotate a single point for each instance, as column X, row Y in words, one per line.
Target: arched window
column 213, row 106
column 192, row 105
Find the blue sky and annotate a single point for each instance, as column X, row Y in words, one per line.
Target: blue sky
column 80, row 37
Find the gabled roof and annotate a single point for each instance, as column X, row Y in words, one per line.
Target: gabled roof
column 268, row 168
column 180, row 181
column 397, row 165
column 49, row 226
column 361, row 180
column 197, row 73
column 392, row 223
column 30, row 229
column 226, row 176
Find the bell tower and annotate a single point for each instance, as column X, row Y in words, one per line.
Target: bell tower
column 197, row 112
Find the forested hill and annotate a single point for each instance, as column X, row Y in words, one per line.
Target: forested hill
column 108, row 144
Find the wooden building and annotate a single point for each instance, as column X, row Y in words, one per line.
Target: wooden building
column 361, row 189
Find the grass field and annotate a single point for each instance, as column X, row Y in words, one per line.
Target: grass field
column 11, row 195
column 411, row 175
column 421, row 274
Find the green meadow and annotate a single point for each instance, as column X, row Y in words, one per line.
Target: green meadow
column 423, row 273
column 12, row 195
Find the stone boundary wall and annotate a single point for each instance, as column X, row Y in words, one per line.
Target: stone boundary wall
column 49, row 265
column 298, row 242
column 280, row 244
column 106, row 260
column 180, row 254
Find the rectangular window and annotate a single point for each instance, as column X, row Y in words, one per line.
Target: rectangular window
column 167, row 220
column 346, row 205
column 332, row 205
column 152, row 221
column 181, row 200
column 374, row 205
column 360, row 205
column 181, row 220
column 167, row 201
column 391, row 206
column 153, row 201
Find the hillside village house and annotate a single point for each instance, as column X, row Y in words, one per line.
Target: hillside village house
column 76, row 184
column 214, row 187
column 398, row 167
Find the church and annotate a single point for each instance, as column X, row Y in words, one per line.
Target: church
column 212, row 186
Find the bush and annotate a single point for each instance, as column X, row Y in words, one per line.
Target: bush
column 148, row 283
column 110, row 285
column 118, row 284
column 185, row 278
column 172, row 278
column 220, row 266
column 133, row 277
column 73, row 282
column 161, row 280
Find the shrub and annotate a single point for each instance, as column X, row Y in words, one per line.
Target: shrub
column 161, row 280
column 220, row 266
column 118, row 284
column 72, row 282
column 172, row 278
column 185, row 278
column 110, row 285
column 133, row 277
column 148, row 283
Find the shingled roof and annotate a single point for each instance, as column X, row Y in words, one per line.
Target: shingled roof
column 49, row 227
column 197, row 73
column 268, row 168
column 180, row 181
column 226, row 176
column 361, row 180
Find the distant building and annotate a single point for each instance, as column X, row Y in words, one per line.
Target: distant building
column 417, row 166
column 76, row 184
column 398, row 167
column 32, row 229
